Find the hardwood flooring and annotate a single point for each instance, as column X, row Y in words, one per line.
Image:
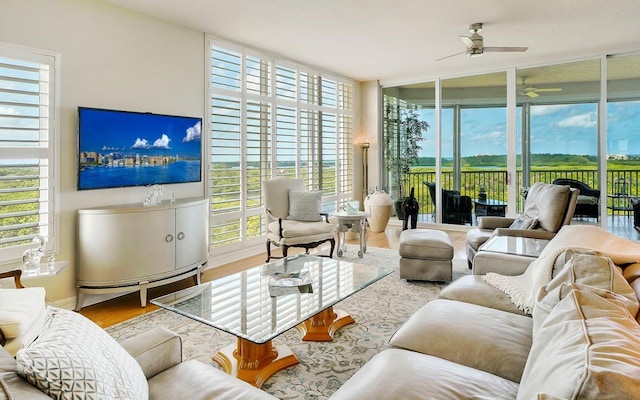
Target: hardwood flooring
column 128, row 306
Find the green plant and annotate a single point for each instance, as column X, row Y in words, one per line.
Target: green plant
column 403, row 148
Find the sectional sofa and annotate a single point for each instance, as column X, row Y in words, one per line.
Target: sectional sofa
column 581, row 341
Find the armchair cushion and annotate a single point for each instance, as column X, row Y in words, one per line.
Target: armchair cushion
column 305, row 205
column 74, row 358
column 547, row 203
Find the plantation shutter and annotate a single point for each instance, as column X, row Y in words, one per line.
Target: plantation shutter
column 26, row 151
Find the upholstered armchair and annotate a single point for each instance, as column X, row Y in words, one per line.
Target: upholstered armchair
column 588, row 204
column 547, row 208
column 456, row 208
column 294, row 217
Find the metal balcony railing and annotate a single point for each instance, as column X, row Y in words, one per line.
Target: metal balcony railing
column 620, row 182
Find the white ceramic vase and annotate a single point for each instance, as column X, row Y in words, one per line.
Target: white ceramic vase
column 379, row 205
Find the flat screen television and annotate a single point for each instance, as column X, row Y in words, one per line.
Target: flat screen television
column 124, row 148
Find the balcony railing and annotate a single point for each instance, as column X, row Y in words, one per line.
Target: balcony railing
column 623, row 182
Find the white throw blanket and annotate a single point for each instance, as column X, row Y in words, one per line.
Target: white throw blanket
column 522, row 288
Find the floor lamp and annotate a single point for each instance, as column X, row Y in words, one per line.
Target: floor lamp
column 365, row 169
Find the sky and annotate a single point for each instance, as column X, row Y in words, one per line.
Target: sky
column 556, row 129
column 109, row 131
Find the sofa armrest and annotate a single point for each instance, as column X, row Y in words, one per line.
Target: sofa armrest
column 156, row 350
column 501, row 263
column 528, row 233
column 494, row 222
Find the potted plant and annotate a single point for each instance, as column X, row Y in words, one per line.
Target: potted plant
column 402, row 151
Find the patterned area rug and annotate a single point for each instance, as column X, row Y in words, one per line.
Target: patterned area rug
column 379, row 310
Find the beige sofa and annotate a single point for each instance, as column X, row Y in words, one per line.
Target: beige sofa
column 146, row 366
column 581, row 342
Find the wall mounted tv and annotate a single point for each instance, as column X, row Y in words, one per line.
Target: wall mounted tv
column 123, row 148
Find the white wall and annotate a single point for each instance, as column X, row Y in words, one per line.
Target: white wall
column 110, row 58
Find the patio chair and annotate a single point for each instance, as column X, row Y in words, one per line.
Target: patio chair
column 294, row 217
column 588, row 199
column 547, row 208
column 456, row 208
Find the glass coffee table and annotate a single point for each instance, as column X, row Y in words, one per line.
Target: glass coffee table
column 263, row 302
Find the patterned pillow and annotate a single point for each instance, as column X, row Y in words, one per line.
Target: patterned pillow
column 524, row 222
column 73, row 358
column 305, row 206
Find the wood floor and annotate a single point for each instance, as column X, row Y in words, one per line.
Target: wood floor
column 125, row 307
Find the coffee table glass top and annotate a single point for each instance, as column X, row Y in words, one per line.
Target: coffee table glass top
column 262, row 302
column 517, row 245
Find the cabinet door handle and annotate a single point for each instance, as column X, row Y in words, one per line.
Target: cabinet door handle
column 180, row 235
column 169, row 238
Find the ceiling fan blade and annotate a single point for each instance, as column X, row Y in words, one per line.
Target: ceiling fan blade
column 467, row 41
column 452, row 55
column 532, row 94
column 549, row 90
column 506, row 49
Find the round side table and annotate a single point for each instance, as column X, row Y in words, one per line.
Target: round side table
column 357, row 223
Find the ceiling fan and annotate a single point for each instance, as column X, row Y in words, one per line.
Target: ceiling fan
column 533, row 91
column 475, row 44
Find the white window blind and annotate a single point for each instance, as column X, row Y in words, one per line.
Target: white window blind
column 271, row 117
column 27, row 122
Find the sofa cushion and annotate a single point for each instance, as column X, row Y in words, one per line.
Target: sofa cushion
column 587, row 348
column 473, row 289
column 406, row 375
column 549, row 206
column 305, row 205
column 479, row 337
column 631, row 272
column 196, row 380
column 586, row 268
column 74, row 358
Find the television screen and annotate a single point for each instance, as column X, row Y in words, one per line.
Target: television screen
column 123, row 148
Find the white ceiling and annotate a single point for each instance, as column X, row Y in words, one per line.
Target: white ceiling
column 399, row 40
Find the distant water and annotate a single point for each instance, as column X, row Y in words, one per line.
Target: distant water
column 110, row 177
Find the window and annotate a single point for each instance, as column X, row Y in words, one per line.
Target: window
column 27, row 168
column 271, row 117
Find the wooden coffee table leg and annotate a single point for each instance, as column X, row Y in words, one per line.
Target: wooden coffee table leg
column 254, row 363
column 322, row 327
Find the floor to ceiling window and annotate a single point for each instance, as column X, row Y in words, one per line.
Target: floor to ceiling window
column 559, row 134
column 622, row 145
column 269, row 118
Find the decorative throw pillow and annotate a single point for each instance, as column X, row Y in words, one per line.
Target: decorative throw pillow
column 524, row 222
column 305, row 206
column 73, row 358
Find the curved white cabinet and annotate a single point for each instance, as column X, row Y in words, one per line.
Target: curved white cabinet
column 127, row 248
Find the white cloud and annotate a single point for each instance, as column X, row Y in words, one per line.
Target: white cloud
column 587, row 120
column 162, row 142
column 141, row 144
column 193, row 133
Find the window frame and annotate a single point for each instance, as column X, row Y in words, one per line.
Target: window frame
column 13, row 254
column 289, row 96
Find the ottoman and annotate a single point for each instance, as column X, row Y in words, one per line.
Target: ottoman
column 425, row 255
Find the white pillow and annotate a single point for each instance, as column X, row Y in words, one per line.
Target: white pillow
column 73, row 358
column 20, row 309
column 305, row 206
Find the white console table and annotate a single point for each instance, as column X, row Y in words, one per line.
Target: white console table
column 135, row 247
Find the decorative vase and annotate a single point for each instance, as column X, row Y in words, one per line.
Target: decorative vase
column 379, row 205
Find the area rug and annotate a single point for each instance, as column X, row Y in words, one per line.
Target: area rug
column 379, row 310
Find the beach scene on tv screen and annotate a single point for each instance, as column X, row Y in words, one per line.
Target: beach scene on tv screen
column 118, row 148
